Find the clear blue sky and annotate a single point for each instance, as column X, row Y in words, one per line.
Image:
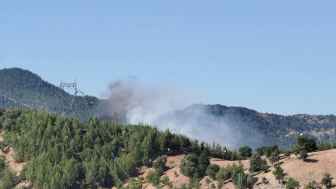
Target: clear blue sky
column 273, row 56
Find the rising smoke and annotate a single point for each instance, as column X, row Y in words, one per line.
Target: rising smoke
column 170, row 108
column 140, row 103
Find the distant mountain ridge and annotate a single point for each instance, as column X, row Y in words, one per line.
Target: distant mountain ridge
column 227, row 125
column 22, row 88
column 257, row 129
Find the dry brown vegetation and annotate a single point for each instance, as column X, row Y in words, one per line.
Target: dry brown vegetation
column 317, row 165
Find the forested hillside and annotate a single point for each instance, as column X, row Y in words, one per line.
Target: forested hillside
column 56, row 152
column 64, row 153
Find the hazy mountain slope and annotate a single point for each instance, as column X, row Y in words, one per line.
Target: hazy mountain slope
column 246, row 126
column 233, row 126
column 20, row 87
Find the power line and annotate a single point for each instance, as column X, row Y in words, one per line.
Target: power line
column 71, row 86
column 74, row 87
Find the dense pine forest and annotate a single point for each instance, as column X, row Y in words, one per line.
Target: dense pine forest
column 62, row 152
column 65, row 153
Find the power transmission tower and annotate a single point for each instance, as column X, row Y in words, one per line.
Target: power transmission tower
column 75, row 91
column 71, row 86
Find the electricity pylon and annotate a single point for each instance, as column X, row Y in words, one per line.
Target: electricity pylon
column 72, row 86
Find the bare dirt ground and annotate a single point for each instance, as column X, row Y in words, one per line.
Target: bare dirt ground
column 178, row 179
column 317, row 165
column 173, row 173
column 314, row 169
column 9, row 155
column 14, row 166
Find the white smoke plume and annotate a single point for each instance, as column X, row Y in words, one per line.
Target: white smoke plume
column 142, row 103
column 164, row 107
